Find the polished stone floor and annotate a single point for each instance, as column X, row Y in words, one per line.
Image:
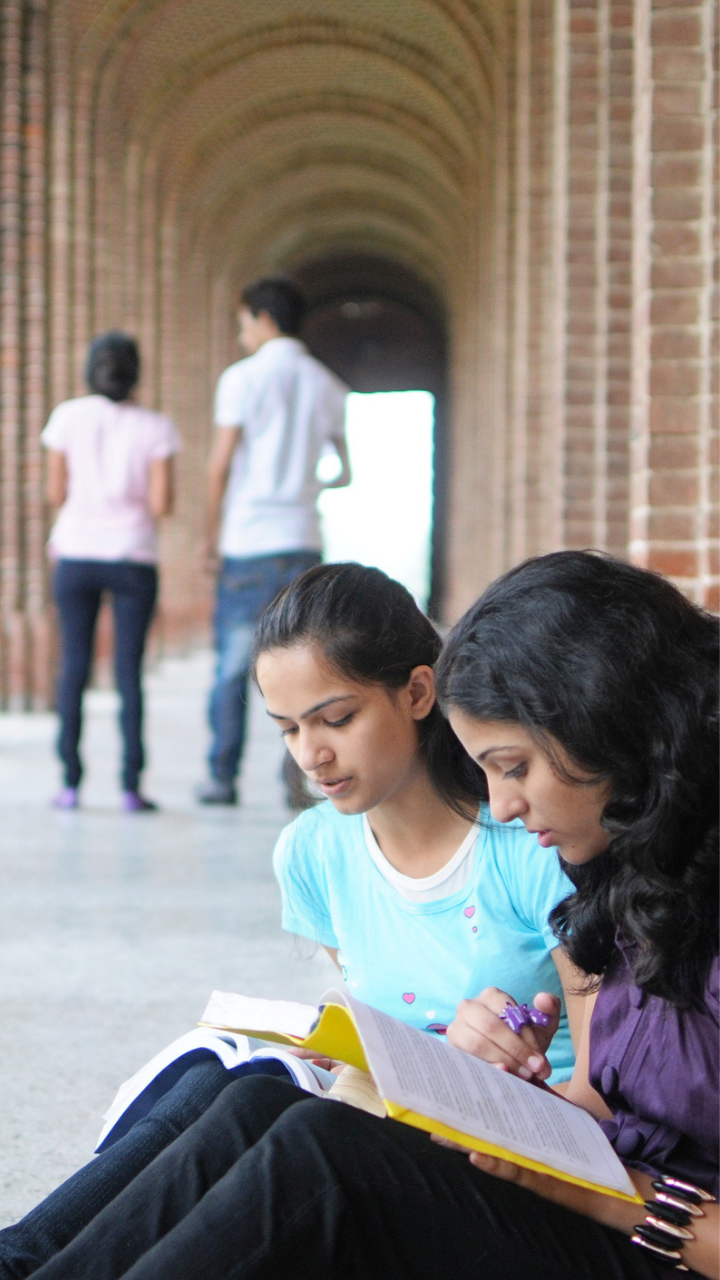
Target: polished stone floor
column 115, row 928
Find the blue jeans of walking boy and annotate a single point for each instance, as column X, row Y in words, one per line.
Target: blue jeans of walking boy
column 245, row 587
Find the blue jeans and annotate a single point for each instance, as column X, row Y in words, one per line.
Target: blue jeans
column 79, row 586
column 58, row 1219
column 245, row 588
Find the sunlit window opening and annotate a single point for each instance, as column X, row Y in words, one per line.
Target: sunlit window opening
column 384, row 517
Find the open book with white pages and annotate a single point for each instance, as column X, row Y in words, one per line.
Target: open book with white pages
column 427, row 1083
column 420, row 1079
column 137, row 1096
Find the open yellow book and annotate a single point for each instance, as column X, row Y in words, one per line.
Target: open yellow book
column 429, row 1084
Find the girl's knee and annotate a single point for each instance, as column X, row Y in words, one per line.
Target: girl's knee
column 256, row 1093
column 330, row 1124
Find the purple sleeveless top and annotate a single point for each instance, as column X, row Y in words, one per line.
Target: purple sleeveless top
column 657, row 1069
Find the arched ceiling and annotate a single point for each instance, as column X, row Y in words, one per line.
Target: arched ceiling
column 272, row 133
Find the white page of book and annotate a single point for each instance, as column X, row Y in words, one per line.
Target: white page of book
column 427, row 1076
column 229, row 1048
column 286, row 1017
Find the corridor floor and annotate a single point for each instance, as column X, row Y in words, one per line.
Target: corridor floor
column 115, row 927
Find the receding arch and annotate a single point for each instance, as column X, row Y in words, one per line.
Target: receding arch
column 383, row 327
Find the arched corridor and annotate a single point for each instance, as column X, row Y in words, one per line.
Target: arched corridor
column 507, row 202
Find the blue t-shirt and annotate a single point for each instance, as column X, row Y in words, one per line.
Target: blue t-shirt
column 418, row 960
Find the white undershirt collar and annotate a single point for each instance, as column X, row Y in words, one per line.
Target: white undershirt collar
column 449, row 880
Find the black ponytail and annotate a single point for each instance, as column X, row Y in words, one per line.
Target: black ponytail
column 113, row 365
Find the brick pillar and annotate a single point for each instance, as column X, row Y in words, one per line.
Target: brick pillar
column 82, row 239
column 619, row 283
column 24, row 637
column 35, row 343
column 59, row 211
column 673, row 430
column 534, row 290
column 709, row 498
column 546, row 285
column 586, row 374
column 518, row 267
column 12, row 636
column 595, row 257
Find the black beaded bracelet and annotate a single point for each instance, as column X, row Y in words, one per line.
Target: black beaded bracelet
column 665, row 1229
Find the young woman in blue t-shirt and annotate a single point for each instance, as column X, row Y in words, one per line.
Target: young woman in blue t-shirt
column 404, row 876
column 421, row 897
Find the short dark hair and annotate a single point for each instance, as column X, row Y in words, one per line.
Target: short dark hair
column 113, row 365
column 369, row 628
column 617, row 666
column 283, row 301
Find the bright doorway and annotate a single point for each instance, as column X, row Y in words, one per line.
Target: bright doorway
column 384, row 517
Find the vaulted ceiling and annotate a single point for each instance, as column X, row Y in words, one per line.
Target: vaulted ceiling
column 271, row 133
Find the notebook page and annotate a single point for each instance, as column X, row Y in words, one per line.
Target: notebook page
column 246, row 1013
column 434, row 1079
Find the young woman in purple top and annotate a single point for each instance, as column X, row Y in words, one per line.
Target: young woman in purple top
column 587, row 691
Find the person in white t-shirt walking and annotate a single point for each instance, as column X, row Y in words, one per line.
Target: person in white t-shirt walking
column 110, row 471
column 276, row 413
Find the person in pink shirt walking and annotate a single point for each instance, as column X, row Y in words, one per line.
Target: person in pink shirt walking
column 110, row 473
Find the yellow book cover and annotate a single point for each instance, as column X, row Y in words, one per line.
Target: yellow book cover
column 427, row 1083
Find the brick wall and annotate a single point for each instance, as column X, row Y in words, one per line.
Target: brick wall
column 546, row 168
column 674, row 464
column 609, row 244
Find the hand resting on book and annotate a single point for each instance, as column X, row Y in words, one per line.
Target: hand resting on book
column 329, row 1064
column 479, row 1030
column 605, row 1209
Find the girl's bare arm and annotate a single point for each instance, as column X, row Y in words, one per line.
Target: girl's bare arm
column 57, row 478
column 161, row 487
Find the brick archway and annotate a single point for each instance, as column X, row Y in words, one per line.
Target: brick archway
column 541, row 171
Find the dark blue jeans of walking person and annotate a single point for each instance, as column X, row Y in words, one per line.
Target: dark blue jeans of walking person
column 79, row 586
column 245, row 587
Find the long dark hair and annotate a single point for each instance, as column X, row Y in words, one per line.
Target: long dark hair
column 113, row 365
column 368, row 627
column 618, row 667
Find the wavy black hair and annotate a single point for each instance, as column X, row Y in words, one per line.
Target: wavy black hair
column 369, row 628
column 113, row 365
column 612, row 662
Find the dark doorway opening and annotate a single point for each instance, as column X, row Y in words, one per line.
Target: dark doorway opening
column 381, row 328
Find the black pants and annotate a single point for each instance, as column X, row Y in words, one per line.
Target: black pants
column 79, row 585
column 271, row 1183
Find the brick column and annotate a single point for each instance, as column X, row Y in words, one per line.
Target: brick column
column 587, row 298
column 35, row 344
column 59, row 210
column 672, row 502
column 619, row 282
column 24, row 635
column 517, row 267
column 534, row 291
column 546, row 282
column 12, row 635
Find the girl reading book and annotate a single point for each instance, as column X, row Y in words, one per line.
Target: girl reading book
column 421, row 896
column 586, row 689
column 416, row 891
